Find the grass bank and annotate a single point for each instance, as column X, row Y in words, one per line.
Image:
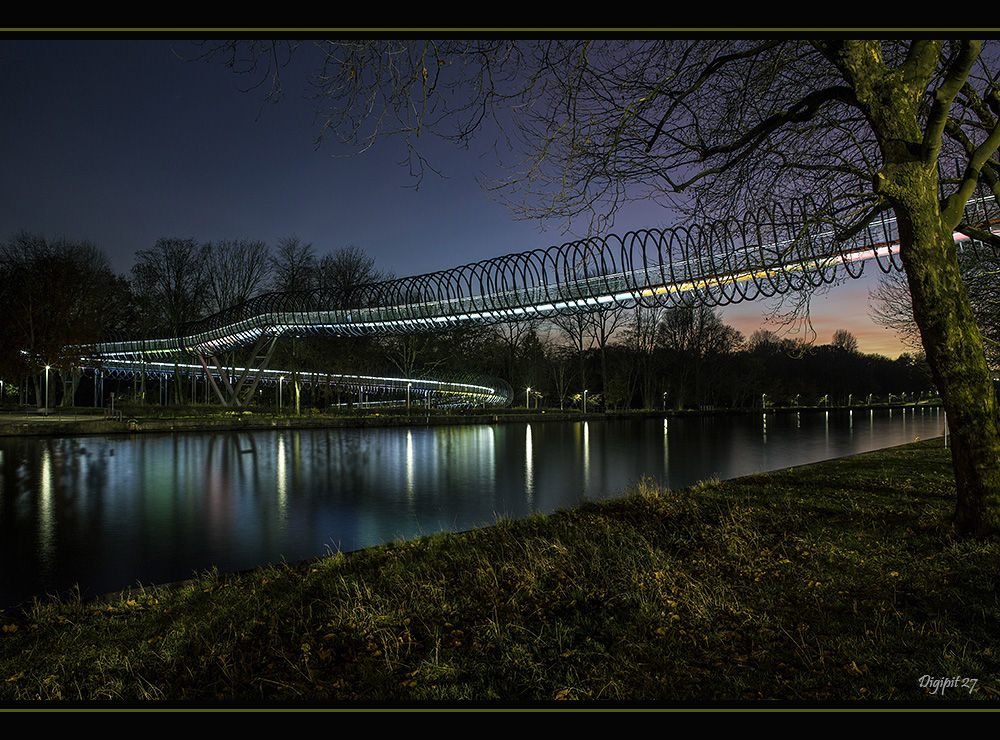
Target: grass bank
column 158, row 420
column 837, row 582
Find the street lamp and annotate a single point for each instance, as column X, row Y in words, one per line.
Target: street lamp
column 46, row 390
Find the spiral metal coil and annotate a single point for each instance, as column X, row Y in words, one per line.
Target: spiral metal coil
column 716, row 265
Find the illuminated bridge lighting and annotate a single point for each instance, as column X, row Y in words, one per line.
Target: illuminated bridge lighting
column 467, row 391
column 719, row 265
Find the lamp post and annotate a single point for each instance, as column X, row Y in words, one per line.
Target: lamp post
column 46, row 390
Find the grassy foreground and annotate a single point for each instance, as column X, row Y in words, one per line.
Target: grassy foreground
column 834, row 582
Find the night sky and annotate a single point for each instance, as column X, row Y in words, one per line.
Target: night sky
column 121, row 142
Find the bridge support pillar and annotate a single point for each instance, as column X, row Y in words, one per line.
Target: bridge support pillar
column 259, row 359
column 228, row 398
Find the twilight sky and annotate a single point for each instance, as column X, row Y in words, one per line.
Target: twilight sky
column 120, row 142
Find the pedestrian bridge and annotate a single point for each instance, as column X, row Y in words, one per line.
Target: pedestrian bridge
column 717, row 266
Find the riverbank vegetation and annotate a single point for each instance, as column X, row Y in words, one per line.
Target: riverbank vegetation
column 836, row 582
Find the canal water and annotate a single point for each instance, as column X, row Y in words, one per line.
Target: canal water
column 107, row 513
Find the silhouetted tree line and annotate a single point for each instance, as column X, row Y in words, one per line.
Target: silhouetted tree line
column 690, row 359
column 59, row 294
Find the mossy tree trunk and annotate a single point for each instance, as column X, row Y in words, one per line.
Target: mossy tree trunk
column 954, row 348
column 892, row 99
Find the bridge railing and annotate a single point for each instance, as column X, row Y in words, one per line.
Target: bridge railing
column 718, row 266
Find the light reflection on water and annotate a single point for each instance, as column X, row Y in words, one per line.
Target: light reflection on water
column 110, row 512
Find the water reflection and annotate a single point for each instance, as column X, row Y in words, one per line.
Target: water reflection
column 529, row 462
column 46, row 523
column 106, row 513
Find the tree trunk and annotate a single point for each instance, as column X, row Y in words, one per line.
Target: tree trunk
column 954, row 348
column 891, row 99
column 178, row 386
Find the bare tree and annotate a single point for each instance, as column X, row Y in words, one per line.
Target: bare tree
column 697, row 341
column 171, row 280
column 560, row 362
column 171, row 285
column 293, row 265
column 640, row 337
column 602, row 325
column 57, row 296
column 723, row 130
column 414, row 354
column 845, row 341
column 574, row 330
column 236, row 271
column 510, row 338
column 343, row 276
column 891, row 305
column 345, row 271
